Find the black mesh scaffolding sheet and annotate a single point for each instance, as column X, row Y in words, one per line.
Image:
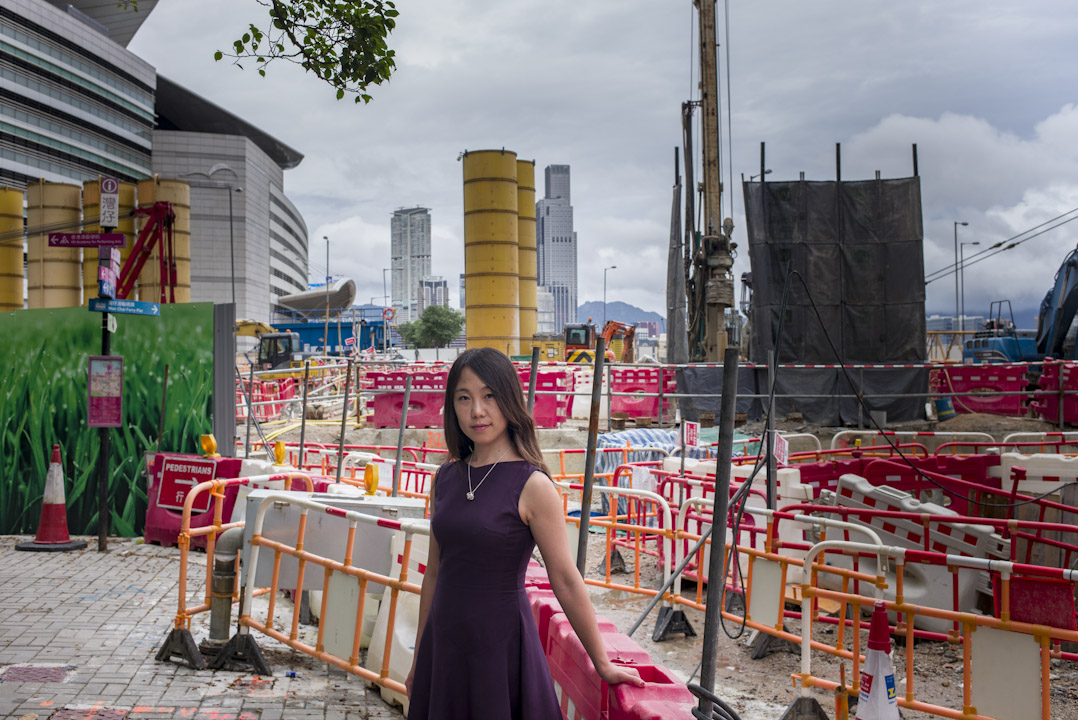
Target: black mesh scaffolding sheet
column 858, row 247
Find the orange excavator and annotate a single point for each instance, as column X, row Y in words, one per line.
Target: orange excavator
column 580, row 342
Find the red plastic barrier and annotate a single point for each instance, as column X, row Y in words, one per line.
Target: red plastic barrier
column 662, row 697
column 983, row 378
column 550, row 410
column 424, row 408
column 163, row 524
column 535, row 576
column 1048, row 407
column 583, row 694
column 644, row 381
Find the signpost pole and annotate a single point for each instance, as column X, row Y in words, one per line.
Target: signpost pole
column 108, row 204
column 103, row 459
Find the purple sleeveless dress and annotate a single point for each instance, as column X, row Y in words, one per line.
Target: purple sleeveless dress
column 480, row 654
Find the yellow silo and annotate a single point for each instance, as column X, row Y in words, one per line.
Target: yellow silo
column 91, row 202
column 491, row 277
column 178, row 193
column 54, row 274
column 11, row 226
column 526, row 254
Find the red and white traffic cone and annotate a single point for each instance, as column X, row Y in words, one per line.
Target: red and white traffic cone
column 878, row 699
column 52, row 526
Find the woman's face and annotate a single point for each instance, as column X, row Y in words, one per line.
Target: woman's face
column 477, row 411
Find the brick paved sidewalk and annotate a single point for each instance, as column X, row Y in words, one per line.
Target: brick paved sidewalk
column 79, row 631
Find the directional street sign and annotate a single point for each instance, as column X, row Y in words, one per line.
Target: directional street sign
column 109, row 215
column 124, row 307
column 86, row 239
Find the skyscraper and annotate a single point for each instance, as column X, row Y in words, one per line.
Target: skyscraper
column 433, row 290
column 410, row 251
column 556, row 242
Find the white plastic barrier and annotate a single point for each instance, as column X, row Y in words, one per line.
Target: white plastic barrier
column 253, row 467
column 1051, row 475
column 929, row 585
column 406, row 620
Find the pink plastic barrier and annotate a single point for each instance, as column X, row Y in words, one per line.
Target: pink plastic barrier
column 580, row 687
column 1047, row 406
column 983, row 378
column 550, row 410
column 163, row 524
column 644, row 381
column 424, row 408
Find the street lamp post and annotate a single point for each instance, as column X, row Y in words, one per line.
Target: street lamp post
column 753, row 177
column 325, row 344
column 612, row 267
column 957, row 304
column 962, row 275
column 385, row 320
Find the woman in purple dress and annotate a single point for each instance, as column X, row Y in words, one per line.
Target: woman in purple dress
column 478, row 653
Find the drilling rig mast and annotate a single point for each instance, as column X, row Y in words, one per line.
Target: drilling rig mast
column 709, row 249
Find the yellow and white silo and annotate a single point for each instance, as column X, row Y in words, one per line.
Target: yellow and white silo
column 527, row 262
column 491, row 264
column 11, row 228
column 53, row 274
column 91, row 208
column 178, row 193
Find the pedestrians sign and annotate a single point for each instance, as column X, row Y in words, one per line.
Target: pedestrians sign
column 692, row 433
column 86, row 240
column 124, row 307
column 109, row 215
column 178, row 476
column 782, row 450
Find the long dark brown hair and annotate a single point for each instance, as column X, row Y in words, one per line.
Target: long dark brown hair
column 498, row 373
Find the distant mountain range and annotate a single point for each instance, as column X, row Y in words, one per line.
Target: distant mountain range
column 622, row 312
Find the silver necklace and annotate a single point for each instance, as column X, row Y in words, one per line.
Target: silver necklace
column 471, row 491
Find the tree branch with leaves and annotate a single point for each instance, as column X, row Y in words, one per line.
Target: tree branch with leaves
column 342, row 43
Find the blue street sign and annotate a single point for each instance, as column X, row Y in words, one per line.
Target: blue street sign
column 124, row 307
column 106, row 289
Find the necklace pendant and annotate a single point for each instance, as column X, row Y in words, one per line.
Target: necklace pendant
column 470, row 495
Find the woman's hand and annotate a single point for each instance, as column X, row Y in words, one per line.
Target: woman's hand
column 617, row 674
column 408, row 680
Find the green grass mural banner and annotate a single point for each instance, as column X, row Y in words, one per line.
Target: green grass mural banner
column 43, row 401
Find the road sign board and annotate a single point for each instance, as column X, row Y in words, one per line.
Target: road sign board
column 782, row 450
column 124, row 307
column 106, row 288
column 86, row 239
column 109, row 208
column 110, row 323
column 178, row 476
column 692, row 433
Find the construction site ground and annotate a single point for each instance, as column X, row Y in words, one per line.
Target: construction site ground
column 79, row 631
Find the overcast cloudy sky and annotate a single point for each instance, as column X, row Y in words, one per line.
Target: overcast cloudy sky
column 986, row 89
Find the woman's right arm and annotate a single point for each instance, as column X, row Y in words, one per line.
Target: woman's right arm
column 426, row 597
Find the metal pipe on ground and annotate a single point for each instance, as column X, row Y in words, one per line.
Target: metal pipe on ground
column 589, row 456
column 223, row 584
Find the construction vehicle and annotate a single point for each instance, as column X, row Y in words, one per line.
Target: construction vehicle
column 280, row 351
column 580, row 342
column 1000, row 340
column 1054, row 337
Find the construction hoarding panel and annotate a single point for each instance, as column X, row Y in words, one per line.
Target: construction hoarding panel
column 857, row 247
column 45, row 402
